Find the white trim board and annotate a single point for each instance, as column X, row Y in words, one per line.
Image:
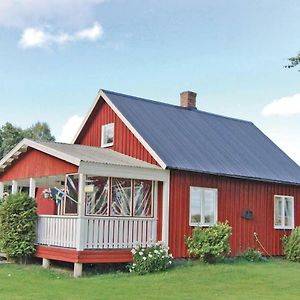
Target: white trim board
column 102, row 95
column 25, row 143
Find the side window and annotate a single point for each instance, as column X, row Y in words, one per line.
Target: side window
column 283, row 212
column 203, row 206
column 107, row 135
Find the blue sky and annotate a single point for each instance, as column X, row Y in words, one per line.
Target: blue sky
column 55, row 56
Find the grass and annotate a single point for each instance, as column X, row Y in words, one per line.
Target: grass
column 276, row 279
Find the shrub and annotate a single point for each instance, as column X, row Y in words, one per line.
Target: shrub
column 210, row 244
column 252, row 255
column 154, row 258
column 17, row 225
column 291, row 245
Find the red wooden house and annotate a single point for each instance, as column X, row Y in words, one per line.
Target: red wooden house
column 140, row 171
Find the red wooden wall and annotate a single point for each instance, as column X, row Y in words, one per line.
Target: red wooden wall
column 234, row 197
column 124, row 142
column 34, row 163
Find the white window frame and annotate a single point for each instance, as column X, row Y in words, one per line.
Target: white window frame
column 283, row 197
column 103, row 127
column 201, row 224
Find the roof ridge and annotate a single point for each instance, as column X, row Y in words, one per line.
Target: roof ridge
column 177, row 106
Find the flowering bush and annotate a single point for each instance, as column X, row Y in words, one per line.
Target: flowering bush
column 154, row 258
column 210, row 244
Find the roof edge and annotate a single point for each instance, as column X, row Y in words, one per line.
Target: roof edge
column 23, row 147
column 259, row 179
column 101, row 94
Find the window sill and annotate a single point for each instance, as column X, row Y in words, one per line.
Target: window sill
column 284, row 228
column 107, row 145
column 201, row 225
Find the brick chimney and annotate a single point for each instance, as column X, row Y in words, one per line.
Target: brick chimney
column 188, row 99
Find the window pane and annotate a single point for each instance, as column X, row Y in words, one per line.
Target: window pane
column 195, row 205
column 209, row 206
column 108, row 133
column 71, row 198
column 278, row 212
column 121, row 197
column 288, row 213
column 143, row 198
column 97, row 196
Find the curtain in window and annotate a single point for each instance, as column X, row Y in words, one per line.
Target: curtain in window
column 121, row 197
column 97, row 196
column 195, row 205
column 288, row 212
column 209, row 206
column 142, row 198
column 278, row 212
column 71, row 194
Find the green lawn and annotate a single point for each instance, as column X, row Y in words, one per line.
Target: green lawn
column 276, row 279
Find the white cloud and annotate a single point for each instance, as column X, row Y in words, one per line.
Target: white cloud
column 283, row 107
column 28, row 13
column 35, row 37
column 70, row 129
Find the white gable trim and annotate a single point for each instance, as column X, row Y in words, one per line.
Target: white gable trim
column 125, row 121
column 23, row 147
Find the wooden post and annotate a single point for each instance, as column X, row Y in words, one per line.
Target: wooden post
column 14, row 188
column 1, row 190
column 81, row 232
column 32, row 186
column 77, row 270
column 165, row 218
column 46, row 263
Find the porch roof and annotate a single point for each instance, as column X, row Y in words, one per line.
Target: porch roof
column 75, row 154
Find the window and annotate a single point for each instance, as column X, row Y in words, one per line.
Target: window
column 71, row 193
column 121, row 197
column 142, row 198
column 203, row 206
column 96, row 195
column 107, row 135
column 283, row 212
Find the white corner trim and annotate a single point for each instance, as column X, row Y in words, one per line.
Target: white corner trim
column 125, row 121
column 25, row 143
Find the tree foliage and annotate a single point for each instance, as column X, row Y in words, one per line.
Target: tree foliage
column 17, row 225
column 11, row 135
column 294, row 61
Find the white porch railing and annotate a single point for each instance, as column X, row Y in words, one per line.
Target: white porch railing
column 57, row 231
column 100, row 232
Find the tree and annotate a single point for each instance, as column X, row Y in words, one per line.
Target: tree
column 40, row 131
column 294, row 61
column 11, row 135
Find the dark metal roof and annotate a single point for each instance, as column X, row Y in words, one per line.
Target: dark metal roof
column 194, row 140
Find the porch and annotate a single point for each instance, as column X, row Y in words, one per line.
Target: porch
column 99, row 212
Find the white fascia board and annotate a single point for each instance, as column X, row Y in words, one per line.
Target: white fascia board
column 98, row 169
column 133, row 130
column 87, row 117
column 7, row 159
column 125, row 121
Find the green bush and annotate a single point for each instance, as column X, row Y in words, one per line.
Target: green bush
column 17, row 225
column 252, row 255
column 291, row 245
column 151, row 259
column 210, row 244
